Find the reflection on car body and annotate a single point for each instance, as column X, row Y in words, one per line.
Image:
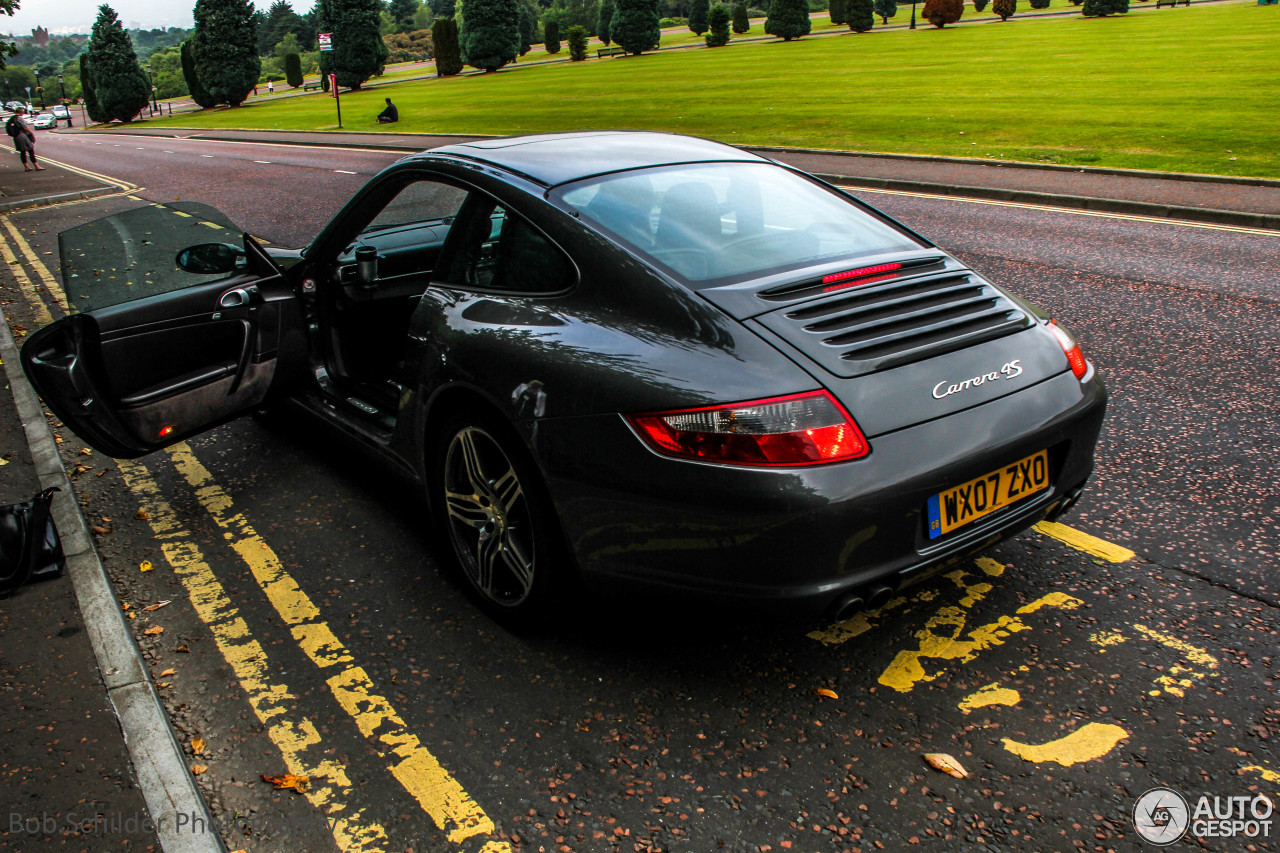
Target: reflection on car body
column 634, row 357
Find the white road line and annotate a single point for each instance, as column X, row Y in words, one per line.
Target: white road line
column 291, row 145
column 344, row 172
column 207, row 155
column 263, row 162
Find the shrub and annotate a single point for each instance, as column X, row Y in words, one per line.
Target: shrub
column 577, row 40
column 862, row 16
column 698, row 10
column 634, row 27
column 886, row 9
column 1094, row 8
column 551, row 36
column 663, row 23
column 839, row 10
column 1039, row 4
column 1004, row 8
column 293, row 69
column 942, row 12
column 741, row 23
column 444, row 35
column 788, row 19
column 528, row 23
column 979, row 5
column 718, row 20
column 753, row 12
column 409, row 47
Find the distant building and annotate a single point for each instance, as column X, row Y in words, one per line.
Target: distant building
column 40, row 36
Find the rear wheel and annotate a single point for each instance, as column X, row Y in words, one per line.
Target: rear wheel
column 489, row 500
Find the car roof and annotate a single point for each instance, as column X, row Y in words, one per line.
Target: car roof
column 557, row 158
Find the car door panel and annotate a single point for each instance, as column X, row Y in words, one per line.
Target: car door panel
column 133, row 377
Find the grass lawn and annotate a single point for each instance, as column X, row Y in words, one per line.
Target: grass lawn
column 1185, row 89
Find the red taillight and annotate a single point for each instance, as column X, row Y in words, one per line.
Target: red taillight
column 802, row 429
column 1069, row 346
column 858, row 273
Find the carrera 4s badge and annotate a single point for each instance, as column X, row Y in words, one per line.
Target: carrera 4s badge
column 1010, row 370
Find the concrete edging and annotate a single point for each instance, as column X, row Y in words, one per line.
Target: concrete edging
column 161, row 767
column 42, row 201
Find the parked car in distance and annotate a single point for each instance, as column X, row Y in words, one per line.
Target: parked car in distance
column 632, row 357
column 60, row 112
column 43, row 121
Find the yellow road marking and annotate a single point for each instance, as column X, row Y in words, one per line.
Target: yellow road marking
column 1130, row 217
column 180, row 213
column 940, row 640
column 275, row 705
column 1269, row 775
column 1179, row 678
column 1104, row 639
column 992, row 694
column 435, row 789
column 43, row 271
column 40, row 311
column 211, row 225
column 1082, row 541
column 1090, row 741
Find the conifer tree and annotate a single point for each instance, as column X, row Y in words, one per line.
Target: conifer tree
column 444, row 36
column 605, row 21
column 862, row 15
column 528, row 26
column 839, row 11
column 577, row 40
column 194, row 88
column 293, row 69
column 90, row 96
column 358, row 49
column 551, row 36
column 788, row 19
column 741, row 23
column 224, row 49
column 634, row 27
column 1006, row 9
column 718, row 23
column 698, row 10
column 1039, row 4
column 402, row 12
column 490, row 36
column 979, row 5
column 119, row 85
column 942, row 12
column 886, row 9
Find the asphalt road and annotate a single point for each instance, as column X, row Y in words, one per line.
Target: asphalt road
column 1067, row 682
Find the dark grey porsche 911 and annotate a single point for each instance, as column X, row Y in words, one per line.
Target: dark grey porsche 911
column 630, row 356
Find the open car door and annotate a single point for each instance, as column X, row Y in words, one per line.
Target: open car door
column 161, row 351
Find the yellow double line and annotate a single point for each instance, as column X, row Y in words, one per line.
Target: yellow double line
column 293, row 732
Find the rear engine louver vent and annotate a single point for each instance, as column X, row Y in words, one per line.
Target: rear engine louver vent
column 887, row 324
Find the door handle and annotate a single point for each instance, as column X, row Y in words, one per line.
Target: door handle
column 238, row 296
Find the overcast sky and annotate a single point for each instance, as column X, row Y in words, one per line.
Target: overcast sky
column 77, row 16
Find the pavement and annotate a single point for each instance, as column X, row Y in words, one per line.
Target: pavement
column 73, row 676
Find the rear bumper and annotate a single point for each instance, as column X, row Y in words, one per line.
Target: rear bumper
column 807, row 536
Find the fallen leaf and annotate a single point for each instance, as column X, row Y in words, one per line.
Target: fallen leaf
column 146, row 566
column 161, row 685
column 80, row 469
column 150, row 607
column 142, row 514
column 101, row 531
column 154, row 630
column 945, row 763
column 182, row 648
column 133, row 615
column 103, row 471
column 289, row 782
column 84, row 451
column 197, row 769
column 822, row 691
column 124, row 605
column 168, row 672
column 197, row 745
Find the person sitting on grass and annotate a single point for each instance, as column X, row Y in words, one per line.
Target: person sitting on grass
column 389, row 115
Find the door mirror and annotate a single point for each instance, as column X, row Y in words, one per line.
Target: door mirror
column 209, row 258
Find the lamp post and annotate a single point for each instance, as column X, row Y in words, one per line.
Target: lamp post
column 39, row 90
column 63, row 88
column 913, row 15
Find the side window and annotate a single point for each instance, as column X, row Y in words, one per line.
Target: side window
column 420, row 201
column 498, row 250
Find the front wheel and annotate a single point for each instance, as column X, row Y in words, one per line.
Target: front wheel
column 489, row 500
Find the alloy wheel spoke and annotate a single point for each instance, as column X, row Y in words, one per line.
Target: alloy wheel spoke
column 520, row 566
column 488, row 552
column 466, row 442
column 507, row 489
column 466, row 509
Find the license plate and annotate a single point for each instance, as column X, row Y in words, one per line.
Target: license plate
column 975, row 499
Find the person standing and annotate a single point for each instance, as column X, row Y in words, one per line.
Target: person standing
column 389, row 115
column 24, row 140
column 271, row 87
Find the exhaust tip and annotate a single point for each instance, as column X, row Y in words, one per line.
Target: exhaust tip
column 879, row 597
column 847, row 607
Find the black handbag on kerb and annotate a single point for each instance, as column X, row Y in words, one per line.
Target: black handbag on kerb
column 29, row 543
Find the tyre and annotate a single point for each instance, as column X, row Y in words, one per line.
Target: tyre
column 489, row 500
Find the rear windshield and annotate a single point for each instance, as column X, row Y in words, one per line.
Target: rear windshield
column 717, row 222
